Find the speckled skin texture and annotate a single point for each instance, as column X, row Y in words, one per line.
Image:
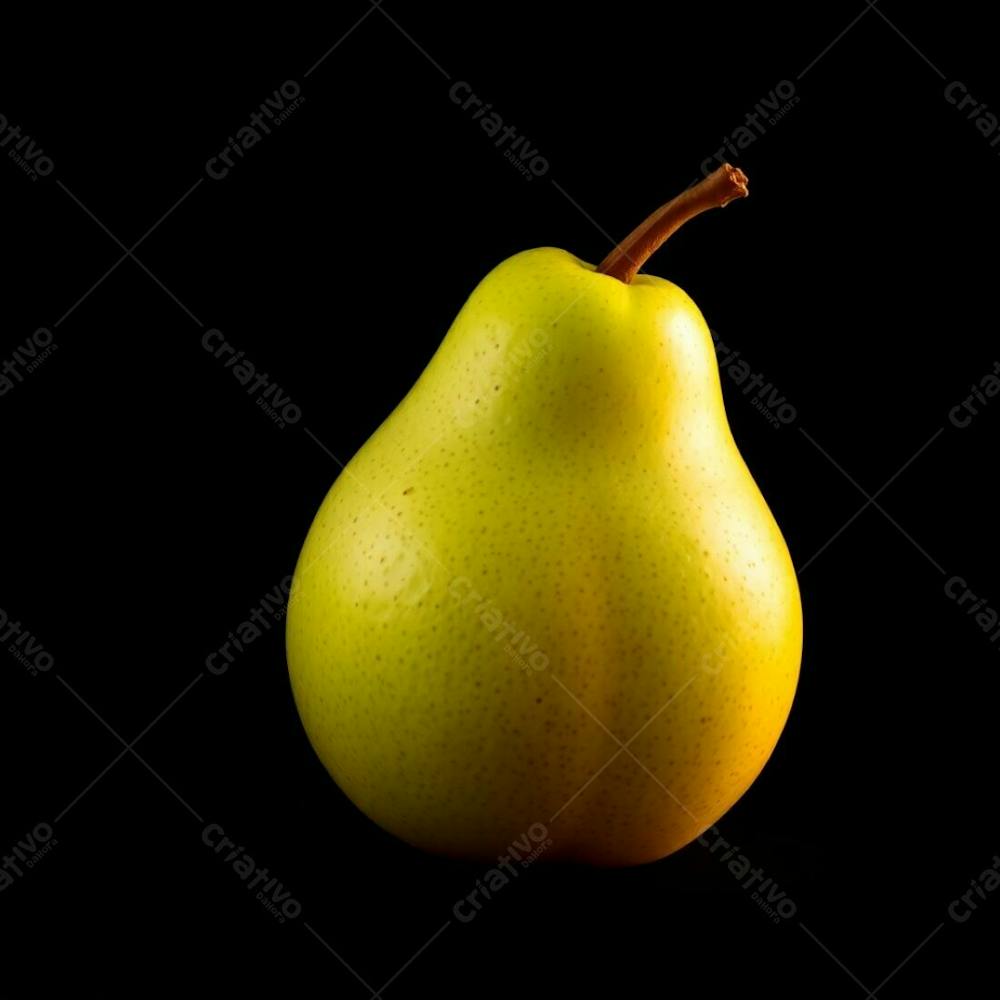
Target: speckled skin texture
column 551, row 545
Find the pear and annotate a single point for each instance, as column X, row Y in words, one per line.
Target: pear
column 545, row 610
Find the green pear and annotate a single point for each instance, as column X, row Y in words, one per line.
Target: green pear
column 546, row 605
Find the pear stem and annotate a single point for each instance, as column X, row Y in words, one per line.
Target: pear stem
column 715, row 191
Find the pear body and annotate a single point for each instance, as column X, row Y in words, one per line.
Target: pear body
column 552, row 548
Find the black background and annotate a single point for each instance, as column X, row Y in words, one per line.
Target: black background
column 150, row 504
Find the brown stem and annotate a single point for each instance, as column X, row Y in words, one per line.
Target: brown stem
column 716, row 190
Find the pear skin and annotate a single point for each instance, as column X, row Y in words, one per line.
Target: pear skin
column 547, row 594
